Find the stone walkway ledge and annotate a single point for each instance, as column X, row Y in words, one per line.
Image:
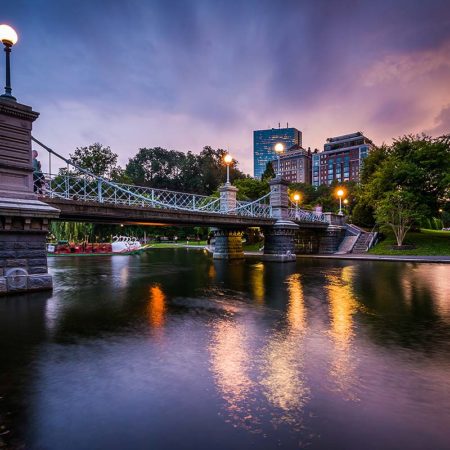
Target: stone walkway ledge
column 444, row 259
column 368, row 257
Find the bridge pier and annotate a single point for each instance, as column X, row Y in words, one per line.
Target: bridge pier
column 228, row 243
column 24, row 219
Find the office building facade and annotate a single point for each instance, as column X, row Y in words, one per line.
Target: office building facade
column 264, row 142
column 341, row 159
column 295, row 165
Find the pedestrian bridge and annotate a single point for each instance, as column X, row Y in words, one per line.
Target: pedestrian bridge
column 80, row 195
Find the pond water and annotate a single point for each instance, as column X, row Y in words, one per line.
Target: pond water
column 172, row 350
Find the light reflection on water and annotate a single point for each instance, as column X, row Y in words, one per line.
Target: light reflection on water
column 255, row 355
column 156, row 306
column 343, row 306
column 283, row 380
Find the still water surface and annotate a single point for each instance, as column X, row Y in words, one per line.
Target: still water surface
column 171, row 350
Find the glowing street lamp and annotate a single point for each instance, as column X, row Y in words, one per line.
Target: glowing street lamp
column 9, row 37
column 279, row 149
column 296, row 198
column 340, row 194
column 228, row 159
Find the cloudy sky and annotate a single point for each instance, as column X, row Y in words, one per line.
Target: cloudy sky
column 183, row 74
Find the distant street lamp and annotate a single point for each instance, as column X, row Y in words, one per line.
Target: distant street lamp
column 279, row 148
column 340, row 194
column 296, row 200
column 228, row 159
column 9, row 37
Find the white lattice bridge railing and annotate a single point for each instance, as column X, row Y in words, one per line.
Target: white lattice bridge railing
column 96, row 189
column 76, row 183
column 304, row 215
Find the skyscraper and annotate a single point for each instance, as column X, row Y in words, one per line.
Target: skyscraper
column 264, row 142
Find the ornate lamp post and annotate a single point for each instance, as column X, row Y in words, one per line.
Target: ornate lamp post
column 340, row 194
column 279, row 148
column 296, row 200
column 9, row 37
column 228, row 159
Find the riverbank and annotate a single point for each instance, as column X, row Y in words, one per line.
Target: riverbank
column 441, row 259
column 368, row 257
column 423, row 243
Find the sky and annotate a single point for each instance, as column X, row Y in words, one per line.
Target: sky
column 182, row 74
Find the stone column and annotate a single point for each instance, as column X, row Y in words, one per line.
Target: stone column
column 279, row 198
column 24, row 219
column 334, row 219
column 228, row 200
column 228, row 244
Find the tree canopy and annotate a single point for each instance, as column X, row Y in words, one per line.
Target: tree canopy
column 187, row 172
column 98, row 159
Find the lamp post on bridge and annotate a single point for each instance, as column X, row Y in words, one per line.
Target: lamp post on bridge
column 296, row 200
column 228, row 199
column 279, row 149
column 9, row 38
column 340, row 194
column 228, row 159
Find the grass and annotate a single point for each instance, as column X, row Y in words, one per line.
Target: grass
column 253, row 247
column 427, row 243
column 177, row 244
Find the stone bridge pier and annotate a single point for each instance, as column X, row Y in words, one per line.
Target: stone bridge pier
column 24, row 219
column 228, row 241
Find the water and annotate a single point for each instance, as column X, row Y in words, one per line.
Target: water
column 171, row 350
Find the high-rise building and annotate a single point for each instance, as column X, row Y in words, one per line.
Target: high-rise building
column 295, row 165
column 264, row 142
column 341, row 159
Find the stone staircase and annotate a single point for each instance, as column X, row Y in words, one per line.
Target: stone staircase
column 356, row 240
column 347, row 244
column 362, row 242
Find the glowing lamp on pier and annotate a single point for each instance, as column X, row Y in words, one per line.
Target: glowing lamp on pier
column 8, row 36
column 228, row 160
column 296, row 198
column 340, row 193
column 279, row 149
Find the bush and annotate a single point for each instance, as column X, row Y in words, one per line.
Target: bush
column 363, row 215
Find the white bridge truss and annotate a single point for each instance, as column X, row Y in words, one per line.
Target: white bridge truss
column 78, row 184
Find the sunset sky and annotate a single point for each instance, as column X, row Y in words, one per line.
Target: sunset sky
column 185, row 74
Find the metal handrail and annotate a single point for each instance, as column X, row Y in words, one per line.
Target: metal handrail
column 90, row 187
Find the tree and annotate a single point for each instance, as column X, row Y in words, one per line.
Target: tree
column 187, row 172
column 416, row 164
column 399, row 210
column 97, row 159
column 156, row 167
column 269, row 172
column 251, row 188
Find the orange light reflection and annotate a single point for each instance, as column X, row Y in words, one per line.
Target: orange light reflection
column 343, row 306
column 156, row 306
